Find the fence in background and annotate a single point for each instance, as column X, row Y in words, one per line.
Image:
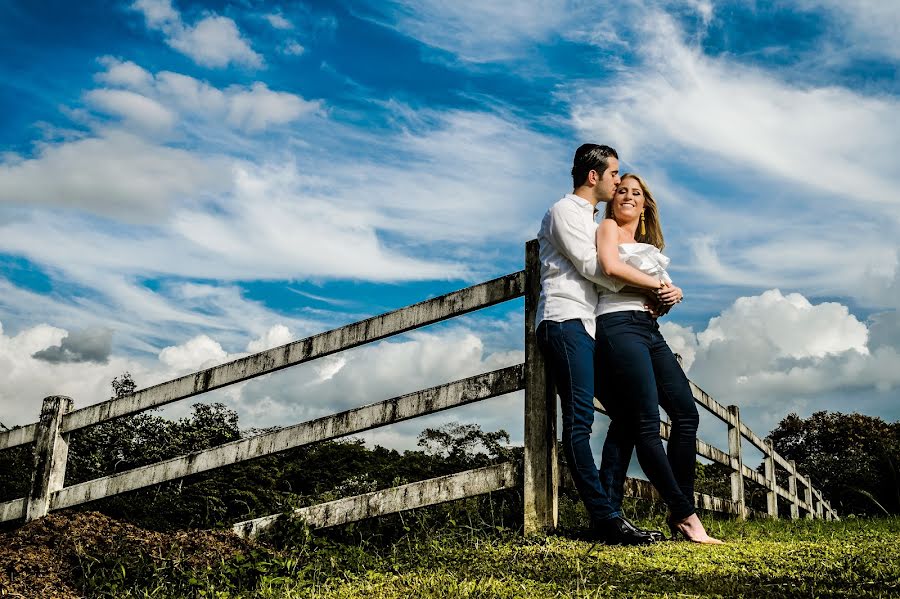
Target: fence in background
column 538, row 475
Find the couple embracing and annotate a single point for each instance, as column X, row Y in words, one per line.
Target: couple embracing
column 602, row 289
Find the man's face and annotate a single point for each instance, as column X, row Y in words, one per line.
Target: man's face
column 605, row 188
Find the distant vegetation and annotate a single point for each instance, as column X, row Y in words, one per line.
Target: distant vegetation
column 851, row 457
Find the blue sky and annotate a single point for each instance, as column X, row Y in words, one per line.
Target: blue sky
column 185, row 182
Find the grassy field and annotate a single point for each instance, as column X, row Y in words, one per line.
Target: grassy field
column 851, row 558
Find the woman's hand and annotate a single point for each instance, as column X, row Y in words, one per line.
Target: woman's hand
column 669, row 295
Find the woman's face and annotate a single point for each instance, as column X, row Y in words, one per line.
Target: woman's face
column 628, row 202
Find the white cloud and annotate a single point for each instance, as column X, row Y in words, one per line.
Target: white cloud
column 25, row 380
column 774, row 353
column 146, row 113
column 293, row 49
column 481, row 32
column 380, row 371
column 766, row 158
column 116, row 174
column 741, row 117
column 124, row 74
column 278, row 21
column 259, row 107
column 867, row 27
column 251, row 108
column 213, row 41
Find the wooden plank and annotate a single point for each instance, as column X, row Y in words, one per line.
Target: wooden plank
column 397, row 499
column 792, row 490
column 18, row 436
column 50, row 454
column 703, row 448
column 781, row 461
column 428, row 401
column 755, row 439
column 753, row 475
column 734, row 450
column 715, row 504
column 715, row 408
column 541, row 479
column 12, row 510
column 771, row 486
column 324, row 344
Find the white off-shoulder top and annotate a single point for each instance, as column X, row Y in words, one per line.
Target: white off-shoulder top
column 647, row 259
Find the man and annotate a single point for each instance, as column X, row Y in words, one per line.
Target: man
column 566, row 329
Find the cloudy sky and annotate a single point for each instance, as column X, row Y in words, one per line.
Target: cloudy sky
column 182, row 183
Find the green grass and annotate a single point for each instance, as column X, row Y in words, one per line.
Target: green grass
column 851, row 558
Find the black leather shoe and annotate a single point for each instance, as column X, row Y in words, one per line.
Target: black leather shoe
column 656, row 535
column 619, row 531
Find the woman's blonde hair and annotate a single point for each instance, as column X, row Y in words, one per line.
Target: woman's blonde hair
column 653, row 230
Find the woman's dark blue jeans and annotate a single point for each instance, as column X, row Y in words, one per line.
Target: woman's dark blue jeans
column 569, row 352
column 638, row 373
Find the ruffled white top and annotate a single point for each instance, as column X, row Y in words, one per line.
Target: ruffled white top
column 647, row 259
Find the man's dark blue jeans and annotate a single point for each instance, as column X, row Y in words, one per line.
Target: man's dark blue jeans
column 569, row 351
column 639, row 373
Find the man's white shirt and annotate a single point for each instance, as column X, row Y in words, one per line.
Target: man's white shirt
column 569, row 265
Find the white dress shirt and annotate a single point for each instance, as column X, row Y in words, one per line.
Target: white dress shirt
column 569, row 266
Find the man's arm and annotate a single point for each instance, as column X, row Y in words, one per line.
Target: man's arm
column 568, row 235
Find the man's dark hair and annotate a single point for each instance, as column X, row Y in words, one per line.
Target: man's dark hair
column 590, row 157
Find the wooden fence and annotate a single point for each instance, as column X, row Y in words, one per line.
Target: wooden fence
column 538, row 476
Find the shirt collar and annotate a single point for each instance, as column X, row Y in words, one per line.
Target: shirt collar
column 581, row 201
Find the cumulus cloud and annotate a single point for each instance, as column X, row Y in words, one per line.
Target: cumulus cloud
column 25, row 379
column 158, row 98
column 356, row 377
column 259, row 107
column 123, row 73
column 145, row 112
column 774, row 353
column 117, row 174
column 213, row 41
column 380, row 371
column 88, row 345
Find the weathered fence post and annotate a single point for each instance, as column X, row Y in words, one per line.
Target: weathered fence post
column 51, row 449
column 810, row 511
column 737, row 460
column 771, row 495
column 792, row 489
column 541, row 471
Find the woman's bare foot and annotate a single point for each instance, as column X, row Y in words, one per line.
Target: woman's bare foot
column 692, row 529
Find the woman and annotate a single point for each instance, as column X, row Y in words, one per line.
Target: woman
column 637, row 372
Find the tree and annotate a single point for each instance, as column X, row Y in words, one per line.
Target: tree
column 853, row 458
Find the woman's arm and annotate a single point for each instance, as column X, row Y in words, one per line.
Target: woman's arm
column 612, row 265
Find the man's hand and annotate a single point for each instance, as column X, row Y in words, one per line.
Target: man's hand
column 669, row 295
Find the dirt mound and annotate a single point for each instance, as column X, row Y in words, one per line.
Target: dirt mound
column 40, row 558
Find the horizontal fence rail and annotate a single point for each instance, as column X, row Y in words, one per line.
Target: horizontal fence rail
column 397, row 499
column 390, row 411
column 353, row 335
column 539, row 476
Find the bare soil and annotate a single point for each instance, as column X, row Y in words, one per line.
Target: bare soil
column 40, row 558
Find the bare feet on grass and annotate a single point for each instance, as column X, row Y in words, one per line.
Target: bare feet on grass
column 692, row 529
